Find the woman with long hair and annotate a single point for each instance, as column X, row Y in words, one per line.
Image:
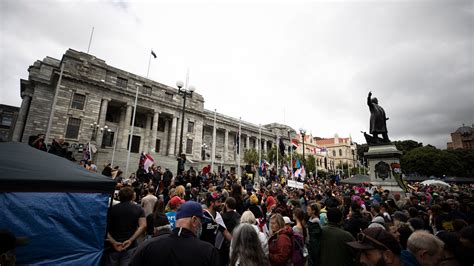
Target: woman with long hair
column 280, row 242
column 300, row 227
column 246, row 248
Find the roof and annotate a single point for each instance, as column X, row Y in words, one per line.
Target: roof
column 331, row 141
column 25, row 168
column 464, row 130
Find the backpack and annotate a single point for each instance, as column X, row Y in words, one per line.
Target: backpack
column 298, row 253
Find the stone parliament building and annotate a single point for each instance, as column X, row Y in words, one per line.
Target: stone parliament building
column 95, row 104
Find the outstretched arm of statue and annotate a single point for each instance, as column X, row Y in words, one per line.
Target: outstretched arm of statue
column 369, row 100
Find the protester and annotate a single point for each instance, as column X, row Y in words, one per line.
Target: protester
column 8, row 244
column 377, row 247
column 38, row 143
column 245, row 247
column 182, row 246
column 280, row 242
column 423, row 249
column 334, row 238
column 172, row 206
column 231, row 220
column 158, row 211
column 126, row 222
column 148, row 202
column 249, row 218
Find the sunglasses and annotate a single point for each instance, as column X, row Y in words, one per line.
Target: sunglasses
column 361, row 237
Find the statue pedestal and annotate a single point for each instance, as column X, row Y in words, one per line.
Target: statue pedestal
column 383, row 161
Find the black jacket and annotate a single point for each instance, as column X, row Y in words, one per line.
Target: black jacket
column 181, row 247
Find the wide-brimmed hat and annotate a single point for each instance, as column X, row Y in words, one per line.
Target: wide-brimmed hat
column 376, row 238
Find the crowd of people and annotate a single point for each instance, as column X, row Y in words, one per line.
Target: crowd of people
column 203, row 218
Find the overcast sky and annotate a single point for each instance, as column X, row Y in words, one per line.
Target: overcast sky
column 309, row 64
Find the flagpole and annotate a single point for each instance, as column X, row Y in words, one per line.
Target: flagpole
column 277, row 146
column 238, row 152
column 259, row 151
column 291, row 156
column 213, row 152
column 131, row 130
column 149, row 62
column 115, row 145
column 90, row 40
column 90, row 152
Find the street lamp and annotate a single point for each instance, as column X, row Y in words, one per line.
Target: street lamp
column 303, row 133
column 184, row 93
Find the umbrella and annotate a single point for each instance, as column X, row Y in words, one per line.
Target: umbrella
column 435, row 183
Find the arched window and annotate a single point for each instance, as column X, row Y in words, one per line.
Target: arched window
column 334, row 153
column 340, row 152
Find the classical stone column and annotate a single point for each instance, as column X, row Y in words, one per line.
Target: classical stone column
column 173, row 136
column 265, row 146
column 126, row 126
column 247, row 142
column 154, row 131
column 226, row 144
column 148, row 143
column 21, row 119
column 103, row 112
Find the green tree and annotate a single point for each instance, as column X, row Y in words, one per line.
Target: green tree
column 251, row 156
column 310, row 164
column 406, row 145
column 429, row 160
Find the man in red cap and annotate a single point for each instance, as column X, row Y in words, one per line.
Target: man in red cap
column 173, row 204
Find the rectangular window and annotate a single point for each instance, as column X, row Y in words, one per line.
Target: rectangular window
column 161, row 124
column 146, row 90
column 122, row 83
column 168, row 96
column 6, row 120
column 157, row 146
column 135, row 144
column 190, row 127
column 108, row 139
column 72, row 130
column 78, row 101
column 189, row 146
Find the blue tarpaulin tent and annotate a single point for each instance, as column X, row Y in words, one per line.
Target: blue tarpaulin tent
column 60, row 206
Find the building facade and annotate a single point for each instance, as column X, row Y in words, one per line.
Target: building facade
column 93, row 103
column 339, row 152
column 462, row 138
column 8, row 115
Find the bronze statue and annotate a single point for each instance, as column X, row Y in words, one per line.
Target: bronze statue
column 378, row 123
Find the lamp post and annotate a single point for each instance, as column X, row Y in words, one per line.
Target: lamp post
column 184, row 93
column 303, row 133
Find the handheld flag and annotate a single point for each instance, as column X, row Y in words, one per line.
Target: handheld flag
column 145, row 161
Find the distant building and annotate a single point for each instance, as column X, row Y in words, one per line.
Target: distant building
column 462, row 138
column 8, row 115
column 340, row 151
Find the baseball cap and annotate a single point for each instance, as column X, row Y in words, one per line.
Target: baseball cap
column 287, row 220
column 175, row 201
column 376, row 238
column 8, row 241
column 190, row 209
column 213, row 196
